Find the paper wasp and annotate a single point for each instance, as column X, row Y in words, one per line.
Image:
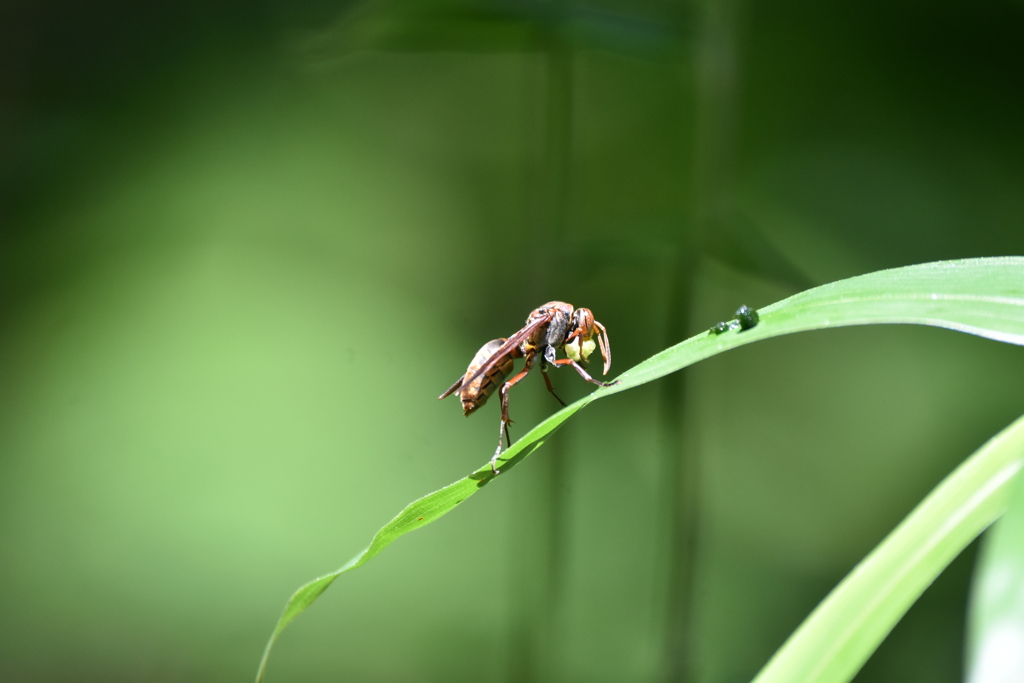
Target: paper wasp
column 552, row 327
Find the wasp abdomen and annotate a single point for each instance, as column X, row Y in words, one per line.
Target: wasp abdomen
column 475, row 393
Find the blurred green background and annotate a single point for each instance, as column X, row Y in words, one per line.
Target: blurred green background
column 245, row 246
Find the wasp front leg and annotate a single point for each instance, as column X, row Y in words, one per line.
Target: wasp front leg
column 583, row 373
column 547, row 381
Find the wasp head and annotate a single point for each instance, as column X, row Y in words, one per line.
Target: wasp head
column 580, row 342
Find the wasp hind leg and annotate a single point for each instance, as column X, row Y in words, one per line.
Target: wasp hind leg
column 502, row 431
column 505, row 419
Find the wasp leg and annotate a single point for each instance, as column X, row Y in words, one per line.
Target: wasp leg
column 547, row 380
column 505, row 420
column 503, row 392
column 502, row 430
column 606, row 346
column 583, row 373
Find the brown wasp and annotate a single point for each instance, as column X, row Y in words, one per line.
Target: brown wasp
column 552, row 327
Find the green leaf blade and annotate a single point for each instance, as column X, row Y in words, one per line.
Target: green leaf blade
column 838, row 637
column 995, row 642
column 984, row 297
column 420, row 512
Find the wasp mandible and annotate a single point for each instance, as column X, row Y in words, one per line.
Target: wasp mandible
column 552, row 327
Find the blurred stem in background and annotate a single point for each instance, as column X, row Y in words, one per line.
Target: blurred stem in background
column 535, row 656
column 713, row 61
column 710, row 66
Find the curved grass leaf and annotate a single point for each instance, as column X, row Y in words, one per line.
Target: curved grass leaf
column 841, row 633
column 980, row 296
column 995, row 643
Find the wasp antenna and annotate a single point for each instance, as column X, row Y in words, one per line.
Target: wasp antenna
column 606, row 347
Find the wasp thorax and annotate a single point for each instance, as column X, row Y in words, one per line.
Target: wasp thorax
column 580, row 351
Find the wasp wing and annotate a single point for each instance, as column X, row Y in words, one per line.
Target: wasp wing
column 506, row 348
column 452, row 389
